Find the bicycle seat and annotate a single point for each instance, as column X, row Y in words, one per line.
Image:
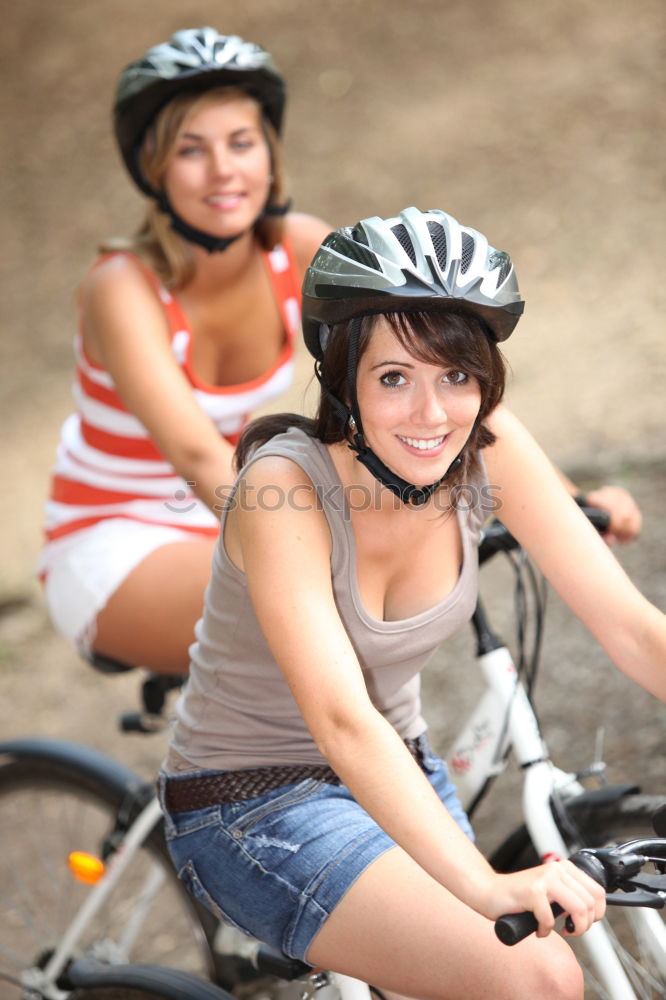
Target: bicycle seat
column 154, row 690
column 107, row 665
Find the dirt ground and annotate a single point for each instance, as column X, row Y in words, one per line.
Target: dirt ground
column 540, row 124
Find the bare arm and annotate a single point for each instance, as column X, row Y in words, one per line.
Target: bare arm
column 537, row 510
column 626, row 520
column 125, row 331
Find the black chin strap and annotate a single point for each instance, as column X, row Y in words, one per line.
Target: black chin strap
column 210, row 243
column 408, row 493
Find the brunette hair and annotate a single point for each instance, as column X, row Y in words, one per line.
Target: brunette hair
column 446, row 336
column 155, row 241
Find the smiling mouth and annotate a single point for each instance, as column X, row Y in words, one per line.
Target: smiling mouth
column 224, row 199
column 423, row 444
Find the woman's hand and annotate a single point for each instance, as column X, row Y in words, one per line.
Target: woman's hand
column 534, row 889
column 626, row 520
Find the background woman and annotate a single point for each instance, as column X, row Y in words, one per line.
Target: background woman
column 184, row 330
column 303, row 802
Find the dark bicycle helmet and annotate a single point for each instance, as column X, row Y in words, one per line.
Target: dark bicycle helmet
column 418, row 260
column 195, row 59
column 415, row 261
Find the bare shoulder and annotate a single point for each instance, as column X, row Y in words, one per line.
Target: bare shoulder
column 114, row 271
column 501, row 421
column 278, row 471
column 276, row 490
column 513, row 440
column 117, row 281
column 117, row 294
column 276, row 510
column 305, row 232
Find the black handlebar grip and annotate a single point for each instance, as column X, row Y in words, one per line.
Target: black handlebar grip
column 514, row 927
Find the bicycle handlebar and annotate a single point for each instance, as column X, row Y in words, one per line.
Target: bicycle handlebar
column 497, row 538
column 613, row 868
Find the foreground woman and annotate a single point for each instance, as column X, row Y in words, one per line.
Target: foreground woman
column 302, row 800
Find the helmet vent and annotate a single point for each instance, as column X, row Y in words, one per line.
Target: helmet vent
column 438, row 237
column 503, row 261
column 467, row 252
column 402, row 236
column 347, row 247
column 358, row 234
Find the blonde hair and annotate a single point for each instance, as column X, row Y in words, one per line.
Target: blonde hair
column 155, row 241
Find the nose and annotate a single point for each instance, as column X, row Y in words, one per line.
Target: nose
column 220, row 161
column 429, row 409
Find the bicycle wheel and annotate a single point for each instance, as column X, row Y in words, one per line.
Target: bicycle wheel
column 49, row 808
column 637, row 934
column 140, row 982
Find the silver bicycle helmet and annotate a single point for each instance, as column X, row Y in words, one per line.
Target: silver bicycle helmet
column 417, row 260
column 194, row 59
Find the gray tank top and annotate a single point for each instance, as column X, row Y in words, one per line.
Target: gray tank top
column 237, row 711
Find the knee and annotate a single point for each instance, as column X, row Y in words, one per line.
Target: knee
column 559, row 976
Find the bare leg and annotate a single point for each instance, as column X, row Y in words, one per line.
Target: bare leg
column 149, row 621
column 398, row 929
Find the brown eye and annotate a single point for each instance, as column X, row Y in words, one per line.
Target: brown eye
column 456, row 377
column 392, row 379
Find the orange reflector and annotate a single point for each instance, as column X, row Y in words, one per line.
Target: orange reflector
column 86, row 867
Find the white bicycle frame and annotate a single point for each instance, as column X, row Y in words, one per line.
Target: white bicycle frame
column 504, row 718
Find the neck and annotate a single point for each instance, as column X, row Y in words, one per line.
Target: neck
column 219, row 270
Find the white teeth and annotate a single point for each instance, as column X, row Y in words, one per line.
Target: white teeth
column 422, row 444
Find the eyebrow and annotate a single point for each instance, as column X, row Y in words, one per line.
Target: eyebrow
column 236, row 132
column 398, row 364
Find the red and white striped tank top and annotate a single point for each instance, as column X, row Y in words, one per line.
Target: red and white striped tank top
column 107, row 465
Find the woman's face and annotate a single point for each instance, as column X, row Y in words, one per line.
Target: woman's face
column 416, row 416
column 219, row 173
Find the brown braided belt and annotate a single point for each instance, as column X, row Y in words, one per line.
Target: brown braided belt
column 189, row 794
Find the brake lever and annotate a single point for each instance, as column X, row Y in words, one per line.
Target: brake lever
column 619, row 866
column 639, row 897
column 623, row 869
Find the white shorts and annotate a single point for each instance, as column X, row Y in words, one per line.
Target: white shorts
column 83, row 570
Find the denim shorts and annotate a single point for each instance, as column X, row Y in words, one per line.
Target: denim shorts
column 277, row 865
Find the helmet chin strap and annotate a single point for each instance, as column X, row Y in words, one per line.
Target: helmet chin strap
column 210, row 243
column 410, row 494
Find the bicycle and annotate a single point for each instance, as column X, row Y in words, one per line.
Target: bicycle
column 133, row 904
column 619, row 868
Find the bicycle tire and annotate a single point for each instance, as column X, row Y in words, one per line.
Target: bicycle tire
column 50, row 806
column 597, row 823
column 140, row 982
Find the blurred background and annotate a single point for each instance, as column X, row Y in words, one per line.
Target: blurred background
column 540, row 124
